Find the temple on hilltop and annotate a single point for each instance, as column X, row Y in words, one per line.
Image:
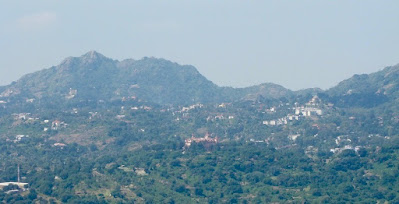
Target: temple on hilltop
column 205, row 140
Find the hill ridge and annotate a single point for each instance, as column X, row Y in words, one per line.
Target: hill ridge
column 158, row 80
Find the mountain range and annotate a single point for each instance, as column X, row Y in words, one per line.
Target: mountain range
column 97, row 130
column 94, row 77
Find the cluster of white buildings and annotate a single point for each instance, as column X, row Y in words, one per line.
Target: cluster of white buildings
column 339, row 150
column 281, row 121
column 21, row 116
column 310, row 109
column 19, row 138
column 141, row 107
column 205, row 139
column 56, row 124
column 24, row 117
column 219, row 117
column 340, row 139
column 192, row 107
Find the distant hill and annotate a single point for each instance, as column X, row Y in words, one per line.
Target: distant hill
column 95, row 77
column 367, row 90
column 267, row 90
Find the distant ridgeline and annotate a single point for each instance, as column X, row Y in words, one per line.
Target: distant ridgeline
column 94, row 77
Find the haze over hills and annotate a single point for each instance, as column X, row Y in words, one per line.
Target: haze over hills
column 367, row 90
column 93, row 76
column 96, row 77
column 97, row 130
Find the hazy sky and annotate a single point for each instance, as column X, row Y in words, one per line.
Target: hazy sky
column 297, row 44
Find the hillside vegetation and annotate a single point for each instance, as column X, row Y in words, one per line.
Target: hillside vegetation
column 97, row 130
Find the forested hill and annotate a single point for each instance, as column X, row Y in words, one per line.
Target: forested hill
column 381, row 82
column 367, row 90
column 95, row 77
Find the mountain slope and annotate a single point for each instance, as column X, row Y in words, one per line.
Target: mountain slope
column 267, row 90
column 94, row 77
column 367, row 90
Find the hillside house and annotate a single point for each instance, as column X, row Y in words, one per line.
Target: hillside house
column 59, row 145
column 20, row 116
column 72, row 93
column 19, row 138
column 56, row 124
column 31, row 100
